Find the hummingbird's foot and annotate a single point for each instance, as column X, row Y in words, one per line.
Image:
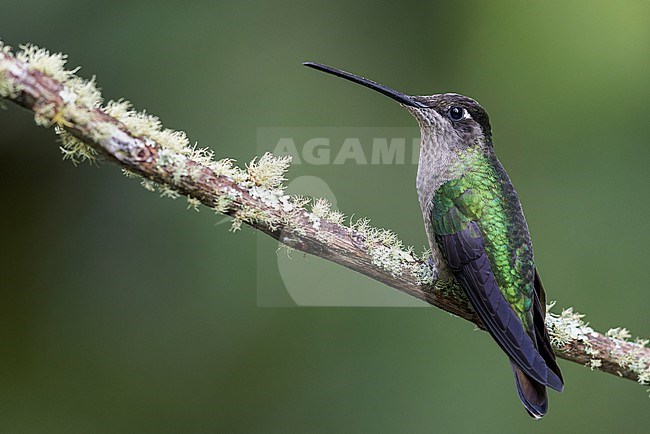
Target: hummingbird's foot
column 433, row 267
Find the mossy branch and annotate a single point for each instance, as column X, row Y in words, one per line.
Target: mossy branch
column 163, row 158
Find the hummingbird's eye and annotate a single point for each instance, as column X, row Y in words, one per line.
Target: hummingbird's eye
column 456, row 113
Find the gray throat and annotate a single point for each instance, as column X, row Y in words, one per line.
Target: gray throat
column 438, row 164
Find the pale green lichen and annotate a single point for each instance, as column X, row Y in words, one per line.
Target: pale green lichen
column 226, row 168
column 81, row 96
column 236, row 225
column 222, row 204
column 7, row 86
column 268, row 171
column 223, row 167
column 202, row 156
column 137, row 123
column 644, row 377
column 168, row 192
column 130, row 174
column 631, row 355
column 391, row 259
column 322, row 209
column 42, row 60
column 44, row 116
column 251, row 216
column 6, row 49
column 291, row 216
column 594, row 364
column 77, row 96
column 81, row 92
column 193, row 203
column 273, row 198
column 288, row 250
column 148, row 184
column 336, row 217
column 568, row 327
column 376, row 235
column 74, row 149
column 619, row 333
column 314, row 220
column 423, row 273
column 300, row 201
column 386, row 249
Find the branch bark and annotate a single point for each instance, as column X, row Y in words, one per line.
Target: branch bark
column 38, row 83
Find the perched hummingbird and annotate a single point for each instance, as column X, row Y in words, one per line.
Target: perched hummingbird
column 477, row 232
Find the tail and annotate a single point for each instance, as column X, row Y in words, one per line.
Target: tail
column 531, row 393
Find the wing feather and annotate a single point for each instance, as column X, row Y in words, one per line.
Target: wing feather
column 466, row 255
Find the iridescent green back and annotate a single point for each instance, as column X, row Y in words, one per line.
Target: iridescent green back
column 484, row 194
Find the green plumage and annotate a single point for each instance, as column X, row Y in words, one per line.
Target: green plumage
column 483, row 193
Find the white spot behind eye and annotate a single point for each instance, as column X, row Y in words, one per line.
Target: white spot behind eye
column 458, row 113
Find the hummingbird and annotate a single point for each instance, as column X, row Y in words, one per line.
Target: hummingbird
column 477, row 232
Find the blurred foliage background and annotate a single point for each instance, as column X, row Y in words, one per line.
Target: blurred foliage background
column 124, row 312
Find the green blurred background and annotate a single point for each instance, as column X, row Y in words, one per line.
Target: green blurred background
column 124, row 312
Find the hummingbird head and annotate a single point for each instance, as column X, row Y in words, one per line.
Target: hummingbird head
column 450, row 120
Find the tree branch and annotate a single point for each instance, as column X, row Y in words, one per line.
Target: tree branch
column 37, row 81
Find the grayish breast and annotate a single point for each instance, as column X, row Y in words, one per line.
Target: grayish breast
column 438, row 164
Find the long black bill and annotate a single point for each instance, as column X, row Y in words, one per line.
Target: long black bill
column 397, row 96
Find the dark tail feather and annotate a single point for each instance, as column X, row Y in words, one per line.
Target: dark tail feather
column 541, row 334
column 531, row 393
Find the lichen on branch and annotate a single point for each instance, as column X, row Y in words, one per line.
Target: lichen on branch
column 165, row 161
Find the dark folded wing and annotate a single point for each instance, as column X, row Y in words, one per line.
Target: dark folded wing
column 466, row 254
